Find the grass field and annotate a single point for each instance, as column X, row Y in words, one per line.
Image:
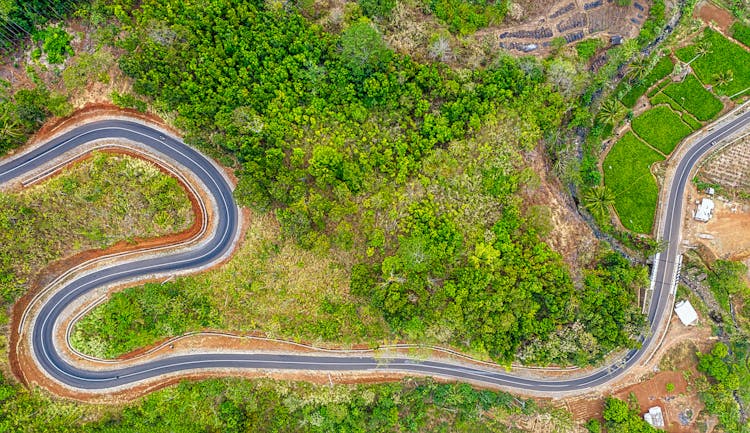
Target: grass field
column 662, row 128
column 724, row 56
column 627, row 173
column 93, row 204
column 691, row 121
column 741, row 32
column 662, row 68
column 661, row 98
column 694, row 98
column 269, row 285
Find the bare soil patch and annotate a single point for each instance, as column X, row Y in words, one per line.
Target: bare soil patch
column 569, row 235
column 727, row 234
column 710, row 13
column 572, row 20
column 649, row 382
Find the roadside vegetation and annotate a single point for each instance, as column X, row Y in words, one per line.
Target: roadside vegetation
column 91, row 205
column 236, row 405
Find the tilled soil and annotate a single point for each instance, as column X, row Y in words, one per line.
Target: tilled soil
column 571, row 20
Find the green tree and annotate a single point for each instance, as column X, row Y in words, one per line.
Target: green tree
column 724, row 78
column 598, row 200
column 639, row 68
column 363, row 49
column 610, row 111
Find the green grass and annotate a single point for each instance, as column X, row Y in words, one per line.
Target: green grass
column 658, row 88
column 586, row 49
column 724, row 56
column 694, row 98
column 627, row 173
column 741, row 32
column 661, row 98
column 691, row 121
column 662, row 128
column 94, row 204
column 662, row 68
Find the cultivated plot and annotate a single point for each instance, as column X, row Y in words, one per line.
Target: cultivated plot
column 627, row 172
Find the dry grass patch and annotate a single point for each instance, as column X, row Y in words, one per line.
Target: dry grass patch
column 269, row 285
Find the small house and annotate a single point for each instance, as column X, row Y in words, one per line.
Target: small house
column 705, row 210
column 685, row 311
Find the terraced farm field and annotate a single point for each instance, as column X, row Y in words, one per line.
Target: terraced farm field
column 693, row 97
column 627, row 172
column 662, row 128
column 723, row 56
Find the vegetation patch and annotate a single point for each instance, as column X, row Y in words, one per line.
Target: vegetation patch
column 662, row 68
column 741, row 32
column 726, row 65
column 55, row 44
column 662, row 128
column 691, row 121
column 237, row 405
column 694, row 98
column 270, row 285
column 93, row 204
column 662, row 99
column 627, row 173
column 468, row 16
column 24, row 111
column 587, row 48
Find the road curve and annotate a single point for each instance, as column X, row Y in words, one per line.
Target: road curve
column 221, row 241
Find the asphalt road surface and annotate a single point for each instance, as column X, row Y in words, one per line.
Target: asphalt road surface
column 221, row 241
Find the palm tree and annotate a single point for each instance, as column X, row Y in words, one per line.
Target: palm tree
column 610, row 111
column 9, row 125
column 639, row 69
column 724, row 78
column 703, row 48
column 598, row 200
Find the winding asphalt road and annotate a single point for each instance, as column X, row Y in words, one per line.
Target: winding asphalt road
column 221, row 241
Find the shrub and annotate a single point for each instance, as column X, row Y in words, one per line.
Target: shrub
column 55, row 43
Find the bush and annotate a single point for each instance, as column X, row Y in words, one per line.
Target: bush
column 55, row 43
column 468, row 16
column 377, row 8
column 586, row 49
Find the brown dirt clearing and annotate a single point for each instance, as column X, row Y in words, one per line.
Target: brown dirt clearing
column 709, row 13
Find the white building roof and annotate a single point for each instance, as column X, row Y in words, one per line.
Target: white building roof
column 654, row 417
column 686, row 312
column 705, row 210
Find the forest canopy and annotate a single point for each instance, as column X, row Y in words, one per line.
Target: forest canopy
column 338, row 135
